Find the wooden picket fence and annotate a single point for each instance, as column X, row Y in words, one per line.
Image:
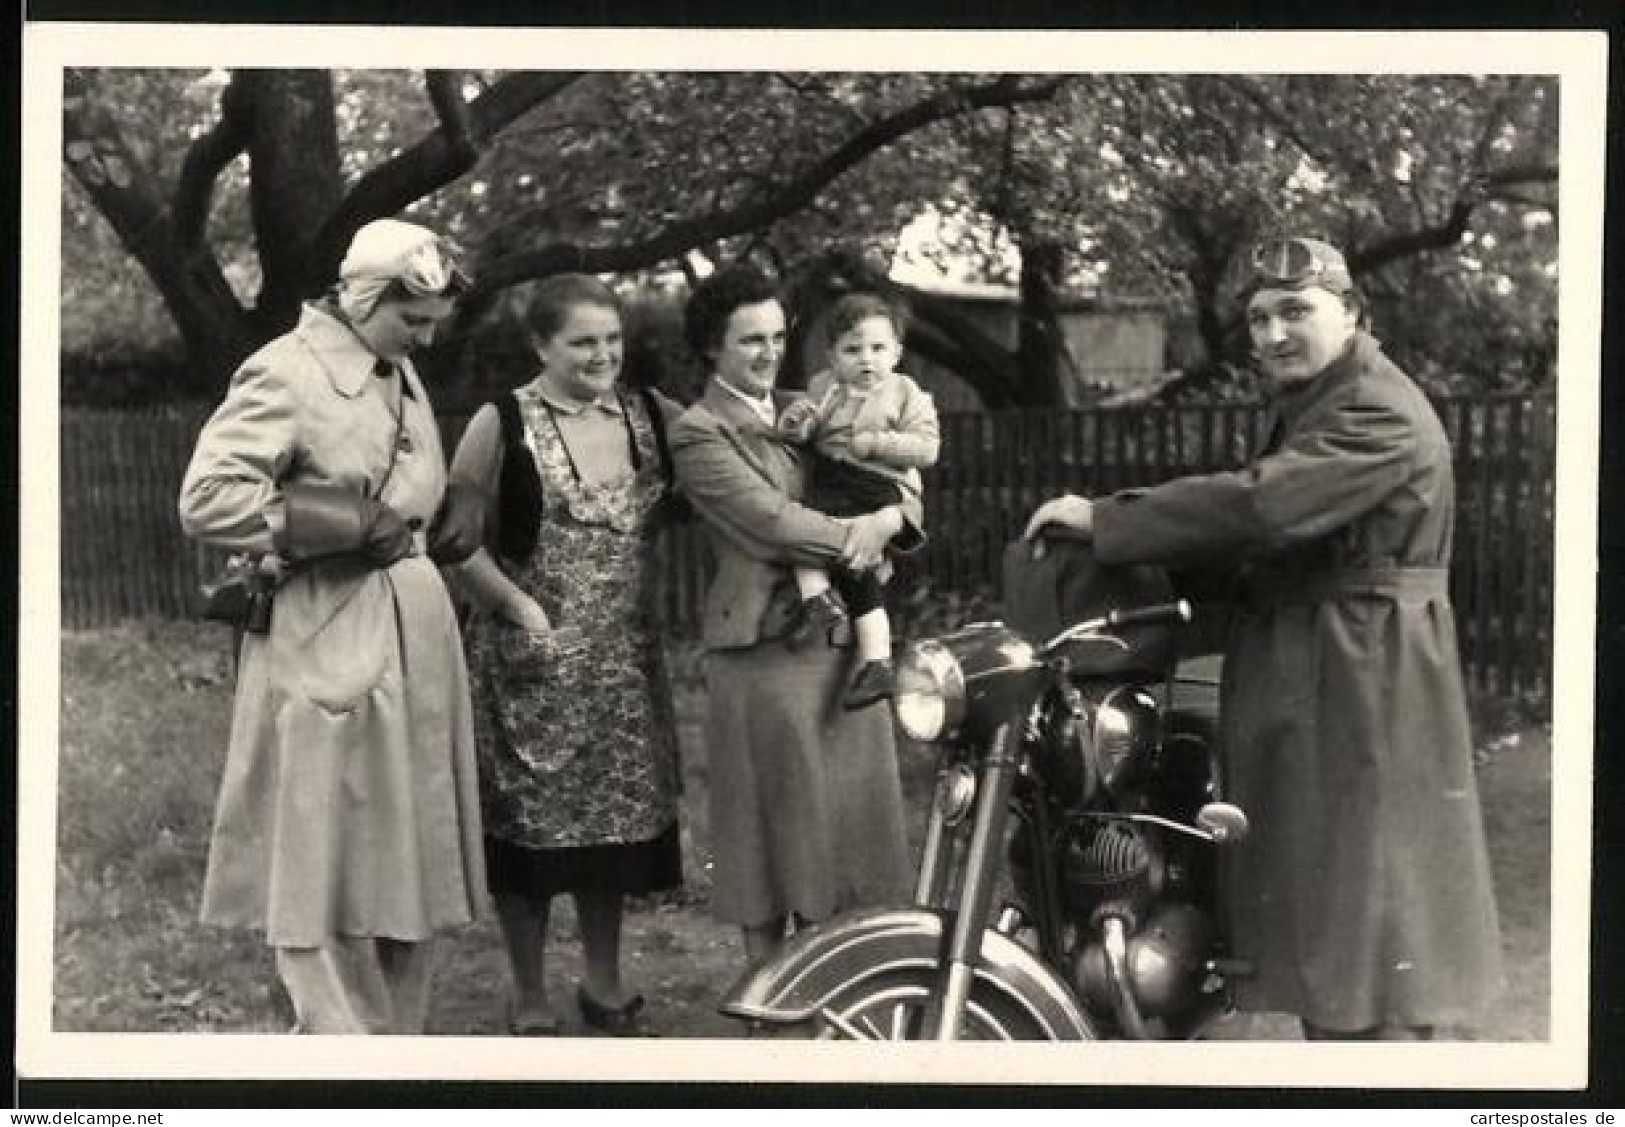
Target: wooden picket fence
column 123, row 555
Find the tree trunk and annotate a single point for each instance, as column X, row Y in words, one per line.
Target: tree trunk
column 296, row 182
column 217, row 333
column 1045, row 363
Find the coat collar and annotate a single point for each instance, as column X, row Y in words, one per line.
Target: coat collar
column 734, row 409
column 760, row 445
column 738, row 408
column 345, row 359
column 1296, row 404
column 609, row 402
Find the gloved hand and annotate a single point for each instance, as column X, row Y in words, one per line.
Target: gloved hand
column 325, row 520
column 459, row 525
column 385, row 536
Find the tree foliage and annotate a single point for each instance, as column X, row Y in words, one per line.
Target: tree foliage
column 236, row 192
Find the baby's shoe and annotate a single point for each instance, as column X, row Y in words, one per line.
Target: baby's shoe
column 873, row 682
column 818, row 614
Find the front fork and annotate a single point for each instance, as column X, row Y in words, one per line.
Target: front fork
column 981, row 867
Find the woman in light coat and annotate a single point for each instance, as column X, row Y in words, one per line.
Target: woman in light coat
column 347, row 828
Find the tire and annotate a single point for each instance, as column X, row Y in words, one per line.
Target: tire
column 893, row 1007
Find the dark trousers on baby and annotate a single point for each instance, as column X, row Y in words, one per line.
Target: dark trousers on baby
column 842, row 489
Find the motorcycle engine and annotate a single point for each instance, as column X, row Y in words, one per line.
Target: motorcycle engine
column 1167, row 958
column 1108, row 863
column 1111, row 868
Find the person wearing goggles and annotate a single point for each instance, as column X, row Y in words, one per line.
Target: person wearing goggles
column 1363, row 898
column 347, row 827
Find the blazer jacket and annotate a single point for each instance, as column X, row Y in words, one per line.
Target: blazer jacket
column 743, row 479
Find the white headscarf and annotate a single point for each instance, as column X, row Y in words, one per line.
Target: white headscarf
column 386, row 251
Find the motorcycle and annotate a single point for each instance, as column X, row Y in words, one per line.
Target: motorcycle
column 1068, row 883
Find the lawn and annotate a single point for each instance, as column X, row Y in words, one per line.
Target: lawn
column 144, row 715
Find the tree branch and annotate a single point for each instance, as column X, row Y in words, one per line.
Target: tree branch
column 112, row 173
column 788, row 198
column 195, row 291
column 445, row 90
column 200, row 170
column 1279, row 118
column 1448, row 233
column 1437, row 237
column 434, row 162
column 1518, row 174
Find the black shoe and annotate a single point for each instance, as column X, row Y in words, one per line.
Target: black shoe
column 817, row 615
column 874, row 682
column 616, row 1021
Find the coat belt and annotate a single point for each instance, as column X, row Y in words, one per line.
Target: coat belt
column 1387, row 582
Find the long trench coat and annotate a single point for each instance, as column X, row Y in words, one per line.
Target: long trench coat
column 1363, row 895
column 349, row 803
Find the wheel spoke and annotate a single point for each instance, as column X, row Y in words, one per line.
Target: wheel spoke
column 846, row 1027
column 899, row 1010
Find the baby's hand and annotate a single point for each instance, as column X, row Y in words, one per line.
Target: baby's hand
column 796, row 420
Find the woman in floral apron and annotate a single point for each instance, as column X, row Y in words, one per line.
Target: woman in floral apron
column 573, row 720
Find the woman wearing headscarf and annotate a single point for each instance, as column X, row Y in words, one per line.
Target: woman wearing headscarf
column 347, row 828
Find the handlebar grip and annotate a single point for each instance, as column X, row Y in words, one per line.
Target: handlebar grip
column 1177, row 611
column 1065, row 532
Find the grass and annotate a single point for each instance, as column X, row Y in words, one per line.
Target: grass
column 145, row 710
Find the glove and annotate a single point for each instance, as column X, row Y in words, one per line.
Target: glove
column 325, row 520
column 458, row 527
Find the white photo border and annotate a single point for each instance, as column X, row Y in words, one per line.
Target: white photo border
column 1578, row 58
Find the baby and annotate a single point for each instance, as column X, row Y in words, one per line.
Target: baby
column 870, row 429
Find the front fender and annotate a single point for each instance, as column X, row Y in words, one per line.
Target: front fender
column 850, row 948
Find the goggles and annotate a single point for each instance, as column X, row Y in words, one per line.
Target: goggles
column 1293, row 264
column 430, row 270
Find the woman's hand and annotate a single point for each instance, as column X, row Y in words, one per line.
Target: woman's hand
column 866, row 543
column 527, row 614
column 1067, row 511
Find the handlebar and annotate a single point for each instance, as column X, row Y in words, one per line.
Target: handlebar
column 1177, row 611
column 1218, row 823
column 1065, row 532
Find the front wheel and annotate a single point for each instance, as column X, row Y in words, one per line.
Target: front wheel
column 901, row 1005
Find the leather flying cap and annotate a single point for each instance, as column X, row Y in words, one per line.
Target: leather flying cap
column 1298, row 263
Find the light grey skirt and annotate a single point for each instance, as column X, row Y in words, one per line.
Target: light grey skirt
column 806, row 807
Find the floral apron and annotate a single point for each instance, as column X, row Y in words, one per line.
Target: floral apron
column 576, row 731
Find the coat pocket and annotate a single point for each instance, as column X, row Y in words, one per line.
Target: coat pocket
column 336, row 637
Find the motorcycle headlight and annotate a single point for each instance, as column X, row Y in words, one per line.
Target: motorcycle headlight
column 1125, row 735
column 930, row 697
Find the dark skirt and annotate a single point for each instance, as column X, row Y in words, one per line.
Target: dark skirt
column 632, row 869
